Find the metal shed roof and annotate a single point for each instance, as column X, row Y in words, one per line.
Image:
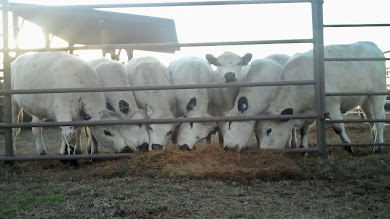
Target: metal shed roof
column 92, row 27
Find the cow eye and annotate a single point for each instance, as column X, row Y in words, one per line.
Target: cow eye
column 269, row 131
column 140, row 125
column 219, row 64
column 150, row 128
column 107, row 133
column 170, row 132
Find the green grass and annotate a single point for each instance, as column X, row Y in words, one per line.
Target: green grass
column 26, row 202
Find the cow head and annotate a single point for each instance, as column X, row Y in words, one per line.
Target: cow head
column 237, row 134
column 108, row 136
column 136, row 136
column 274, row 134
column 159, row 134
column 190, row 133
column 229, row 65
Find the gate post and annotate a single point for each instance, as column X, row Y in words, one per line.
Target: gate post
column 319, row 75
column 9, row 150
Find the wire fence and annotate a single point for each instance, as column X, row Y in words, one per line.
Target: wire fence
column 318, row 83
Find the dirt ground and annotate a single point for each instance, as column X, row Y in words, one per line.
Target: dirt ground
column 155, row 186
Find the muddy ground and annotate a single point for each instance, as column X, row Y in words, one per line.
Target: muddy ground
column 154, row 186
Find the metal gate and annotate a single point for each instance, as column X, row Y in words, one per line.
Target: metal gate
column 318, row 82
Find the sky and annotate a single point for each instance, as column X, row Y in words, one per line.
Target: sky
column 244, row 22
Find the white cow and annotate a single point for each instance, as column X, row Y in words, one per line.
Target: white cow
column 230, row 68
column 61, row 70
column 159, row 104
column 112, row 74
column 343, row 76
column 192, row 102
column 251, row 101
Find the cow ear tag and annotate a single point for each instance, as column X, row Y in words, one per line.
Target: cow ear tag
column 242, row 104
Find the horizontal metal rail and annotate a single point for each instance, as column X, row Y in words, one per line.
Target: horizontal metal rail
column 356, row 25
column 128, row 155
column 357, row 144
column 156, row 87
column 356, row 120
column 163, row 4
column 66, row 157
column 355, row 59
column 155, row 121
column 159, row 45
column 284, row 150
column 356, row 93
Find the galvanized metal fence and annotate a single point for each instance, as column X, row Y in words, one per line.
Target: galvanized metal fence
column 318, row 82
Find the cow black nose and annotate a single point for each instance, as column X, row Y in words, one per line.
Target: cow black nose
column 230, row 77
column 184, row 147
column 157, row 147
column 143, row 147
column 126, row 149
column 226, row 148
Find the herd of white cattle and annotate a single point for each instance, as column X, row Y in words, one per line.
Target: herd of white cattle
column 62, row 70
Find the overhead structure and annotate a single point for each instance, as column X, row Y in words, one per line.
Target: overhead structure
column 93, row 27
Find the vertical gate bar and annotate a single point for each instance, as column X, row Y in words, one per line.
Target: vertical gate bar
column 319, row 75
column 9, row 150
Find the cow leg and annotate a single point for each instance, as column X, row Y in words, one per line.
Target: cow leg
column 304, row 131
column 94, row 145
column 294, row 141
column 68, row 133
column 367, row 109
column 339, row 128
column 17, row 116
column 379, row 113
column 78, row 140
column 37, row 132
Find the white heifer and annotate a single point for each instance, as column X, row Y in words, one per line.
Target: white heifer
column 251, row 101
column 61, row 70
column 230, row 68
column 346, row 76
column 112, row 74
column 159, row 104
column 192, row 102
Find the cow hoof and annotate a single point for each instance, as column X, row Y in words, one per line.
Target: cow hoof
column 349, row 149
column 226, row 148
column 71, row 150
column 143, row 147
column 43, row 152
column 157, row 147
column 377, row 150
column 126, row 149
column 72, row 164
column 184, row 147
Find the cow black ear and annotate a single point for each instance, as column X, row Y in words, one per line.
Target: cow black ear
column 191, row 104
column 123, row 106
column 191, row 124
column 84, row 116
column 242, row 104
column 287, row 111
column 109, row 107
column 212, row 60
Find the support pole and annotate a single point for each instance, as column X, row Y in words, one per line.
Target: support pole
column 319, row 75
column 9, row 150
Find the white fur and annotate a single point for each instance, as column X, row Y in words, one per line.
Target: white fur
column 238, row 134
column 112, row 74
column 61, row 70
column 192, row 70
column 159, row 104
column 356, row 76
